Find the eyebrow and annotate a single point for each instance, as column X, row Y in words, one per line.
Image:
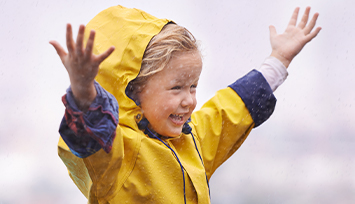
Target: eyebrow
column 184, row 80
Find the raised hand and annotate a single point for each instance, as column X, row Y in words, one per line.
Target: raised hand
column 82, row 65
column 287, row 45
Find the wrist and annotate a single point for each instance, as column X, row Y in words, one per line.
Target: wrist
column 84, row 95
column 285, row 61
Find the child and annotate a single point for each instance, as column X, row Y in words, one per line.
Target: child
column 158, row 150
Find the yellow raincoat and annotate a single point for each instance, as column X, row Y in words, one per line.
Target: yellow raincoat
column 140, row 169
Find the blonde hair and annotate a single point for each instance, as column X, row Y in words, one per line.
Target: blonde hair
column 162, row 47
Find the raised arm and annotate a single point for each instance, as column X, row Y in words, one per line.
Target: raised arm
column 287, row 45
column 82, row 65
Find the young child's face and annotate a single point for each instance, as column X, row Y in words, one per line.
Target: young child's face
column 169, row 97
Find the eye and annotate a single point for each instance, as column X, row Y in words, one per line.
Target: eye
column 176, row 88
column 193, row 86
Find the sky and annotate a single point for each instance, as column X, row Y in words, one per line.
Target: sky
column 303, row 154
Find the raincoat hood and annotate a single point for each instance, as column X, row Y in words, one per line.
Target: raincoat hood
column 129, row 31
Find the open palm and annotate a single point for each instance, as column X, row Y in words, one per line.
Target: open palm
column 82, row 65
column 287, row 45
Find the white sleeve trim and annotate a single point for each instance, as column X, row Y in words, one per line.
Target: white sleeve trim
column 274, row 72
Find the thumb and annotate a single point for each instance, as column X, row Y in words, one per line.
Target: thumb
column 58, row 48
column 272, row 31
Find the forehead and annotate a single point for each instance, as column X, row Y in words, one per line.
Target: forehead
column 183, row 68
column 184, row 64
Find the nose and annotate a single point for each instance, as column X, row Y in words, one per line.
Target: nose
column 188, row 99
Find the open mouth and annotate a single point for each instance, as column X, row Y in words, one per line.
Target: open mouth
column 177, row 118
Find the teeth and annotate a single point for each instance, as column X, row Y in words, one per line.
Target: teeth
column 177, row 116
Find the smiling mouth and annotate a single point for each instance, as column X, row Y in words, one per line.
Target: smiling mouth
column 178, row 119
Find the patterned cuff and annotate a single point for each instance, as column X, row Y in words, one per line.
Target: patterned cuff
column 86, row 133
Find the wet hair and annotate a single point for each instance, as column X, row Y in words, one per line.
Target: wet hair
column 171, row 40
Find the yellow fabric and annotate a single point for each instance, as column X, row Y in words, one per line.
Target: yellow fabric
column 140, row 169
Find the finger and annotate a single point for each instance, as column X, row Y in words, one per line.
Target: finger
column 89, row 45
column 272, row 31
column 313, row 34
column 70, row 41
column 311, row 24
column 104, row 55
column 304, row 19
column 60, row 51
column 293, row 20
column 79, row 40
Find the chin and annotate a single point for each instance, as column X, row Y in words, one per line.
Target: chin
column 176, row 133
column 169, row 132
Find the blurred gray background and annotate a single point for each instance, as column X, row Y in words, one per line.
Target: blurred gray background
column 303, row 154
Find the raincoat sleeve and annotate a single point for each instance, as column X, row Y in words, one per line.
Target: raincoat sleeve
column 86, row 133
column 224, row 122
column 90, row 141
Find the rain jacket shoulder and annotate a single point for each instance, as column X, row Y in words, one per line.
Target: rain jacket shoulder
column 134, row 168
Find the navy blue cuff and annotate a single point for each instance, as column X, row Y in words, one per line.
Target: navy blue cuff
column 81, row 147
column 257, row 96
column 86, row 133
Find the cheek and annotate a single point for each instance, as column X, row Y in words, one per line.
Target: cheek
column 195, row 102
column 169, row 105
column 194, row 106
column 163, row 107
